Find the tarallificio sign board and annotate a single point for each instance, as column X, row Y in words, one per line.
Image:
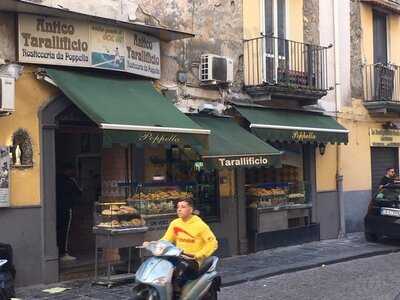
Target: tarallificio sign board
column 245, row 161
column 4, row 177
column 66, row 42
column 384, row 137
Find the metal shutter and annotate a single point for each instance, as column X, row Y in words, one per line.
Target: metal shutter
column 381, row 159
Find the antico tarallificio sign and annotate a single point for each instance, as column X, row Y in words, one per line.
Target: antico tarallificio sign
column 59, row 41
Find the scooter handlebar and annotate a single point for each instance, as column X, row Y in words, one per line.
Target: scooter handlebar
column 187, row 256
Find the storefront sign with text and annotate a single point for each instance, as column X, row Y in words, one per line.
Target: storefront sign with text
column 384, row 137
column 152, row 138
column 246, row 161
column 304, row 136
column 59, row 41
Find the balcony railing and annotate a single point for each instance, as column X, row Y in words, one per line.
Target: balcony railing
column 274, row 61
column 382, row 83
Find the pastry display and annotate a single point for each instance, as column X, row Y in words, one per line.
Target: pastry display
column 158, row 200
column 151, row 201
column 119, row 210
column 296, row 195
column 291, row 194
column 123, row 224
column 117, row 215
column 162, row 195
column 266, row 192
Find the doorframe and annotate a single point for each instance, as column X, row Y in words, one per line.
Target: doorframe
column 48, row 126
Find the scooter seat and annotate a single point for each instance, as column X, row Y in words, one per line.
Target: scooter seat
column 206, row 265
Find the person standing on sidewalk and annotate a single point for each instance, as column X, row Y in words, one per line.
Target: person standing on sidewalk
column 68, row 194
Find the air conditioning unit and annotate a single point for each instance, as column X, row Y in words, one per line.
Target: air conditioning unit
column 215, row 69
column 7, row 94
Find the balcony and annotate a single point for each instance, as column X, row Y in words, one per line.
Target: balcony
column 390, row 5
column 285, row 69
column 382, row 88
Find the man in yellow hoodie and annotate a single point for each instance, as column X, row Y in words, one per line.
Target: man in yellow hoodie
column 189, row 233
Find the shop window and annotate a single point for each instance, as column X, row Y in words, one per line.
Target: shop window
column 174, row 174
column 279, row 187
column 206, row 198
column 186, row 169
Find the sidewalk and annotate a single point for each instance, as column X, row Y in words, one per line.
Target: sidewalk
column 239, row 269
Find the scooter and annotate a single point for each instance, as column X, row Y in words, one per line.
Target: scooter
column 154, row 278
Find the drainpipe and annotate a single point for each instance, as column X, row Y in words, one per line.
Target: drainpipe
column 338, row 101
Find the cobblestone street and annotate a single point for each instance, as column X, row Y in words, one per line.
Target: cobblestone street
column 237, row 271
column 373, row 278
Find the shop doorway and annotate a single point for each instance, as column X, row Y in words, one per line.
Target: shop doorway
column 77, row 147
column 381, row 159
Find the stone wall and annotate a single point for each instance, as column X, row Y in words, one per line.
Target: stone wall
column 218, row 27
column 311, row 21
column 123, row 10
column 355, row 53
column 7, row 37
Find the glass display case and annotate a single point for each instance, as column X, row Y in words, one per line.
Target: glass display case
column 281, row 195
column 159, row 200
column 278, row 206
column 117, row 215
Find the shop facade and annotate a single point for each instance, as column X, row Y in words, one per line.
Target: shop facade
column 282, row 202
column 142, row 152
column 198, row 157
column 126, row 152
column 57, row 130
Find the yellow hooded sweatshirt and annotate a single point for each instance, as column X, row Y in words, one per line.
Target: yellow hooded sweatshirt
column 194, row 237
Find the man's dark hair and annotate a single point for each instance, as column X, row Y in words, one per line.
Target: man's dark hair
column 388, row 169
column 189, row 201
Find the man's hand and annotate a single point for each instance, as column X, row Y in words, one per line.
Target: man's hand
column 187, row 256
column 145, row 244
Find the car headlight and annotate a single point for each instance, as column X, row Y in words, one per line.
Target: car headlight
column 160, row 280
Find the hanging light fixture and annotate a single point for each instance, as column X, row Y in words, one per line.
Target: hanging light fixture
column 322, row 148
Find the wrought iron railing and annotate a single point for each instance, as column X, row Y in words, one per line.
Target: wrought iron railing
column 276, row 61
column 381, row 82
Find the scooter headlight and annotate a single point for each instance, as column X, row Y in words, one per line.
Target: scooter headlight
column 158, row 250
column 160, row 280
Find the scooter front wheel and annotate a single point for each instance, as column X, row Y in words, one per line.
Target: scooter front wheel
column 144, row 292
column 212, row 294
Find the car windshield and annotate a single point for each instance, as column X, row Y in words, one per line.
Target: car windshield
column 390, row 193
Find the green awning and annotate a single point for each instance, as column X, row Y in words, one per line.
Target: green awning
column 129, row 111
column 293, row 126
column 232, row 146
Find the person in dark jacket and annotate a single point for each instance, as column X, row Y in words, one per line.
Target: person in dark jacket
column 68, row 194
column 389, row 178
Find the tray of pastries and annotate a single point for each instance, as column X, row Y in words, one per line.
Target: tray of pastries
column 135, row 222
column 263, row 192
column 118, row 210
column 161, row 195
column 117, row 215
